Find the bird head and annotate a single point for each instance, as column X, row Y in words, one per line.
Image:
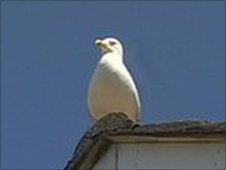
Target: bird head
column 109, row 45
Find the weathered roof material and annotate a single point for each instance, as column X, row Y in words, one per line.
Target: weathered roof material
column 95, row 141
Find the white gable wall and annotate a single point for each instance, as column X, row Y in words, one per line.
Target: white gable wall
column 108, row 161
column 190, row 155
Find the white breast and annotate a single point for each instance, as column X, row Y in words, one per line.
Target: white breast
column 112, row 90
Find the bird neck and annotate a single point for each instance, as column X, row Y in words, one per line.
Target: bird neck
column 113, row 56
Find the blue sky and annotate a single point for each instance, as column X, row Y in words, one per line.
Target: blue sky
column 174, row 50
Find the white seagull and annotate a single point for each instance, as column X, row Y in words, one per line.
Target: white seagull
column 112, row 88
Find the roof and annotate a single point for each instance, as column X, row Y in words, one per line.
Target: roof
column 96, row 140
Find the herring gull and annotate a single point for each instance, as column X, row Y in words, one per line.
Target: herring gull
column 112, row 88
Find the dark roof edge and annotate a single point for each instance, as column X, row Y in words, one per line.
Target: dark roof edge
column 95, row 141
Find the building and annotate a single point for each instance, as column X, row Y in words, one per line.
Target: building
column 116, row 143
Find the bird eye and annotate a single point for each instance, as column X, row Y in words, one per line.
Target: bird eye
column 112, row 43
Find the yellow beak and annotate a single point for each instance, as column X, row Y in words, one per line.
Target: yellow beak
column 98, row 42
